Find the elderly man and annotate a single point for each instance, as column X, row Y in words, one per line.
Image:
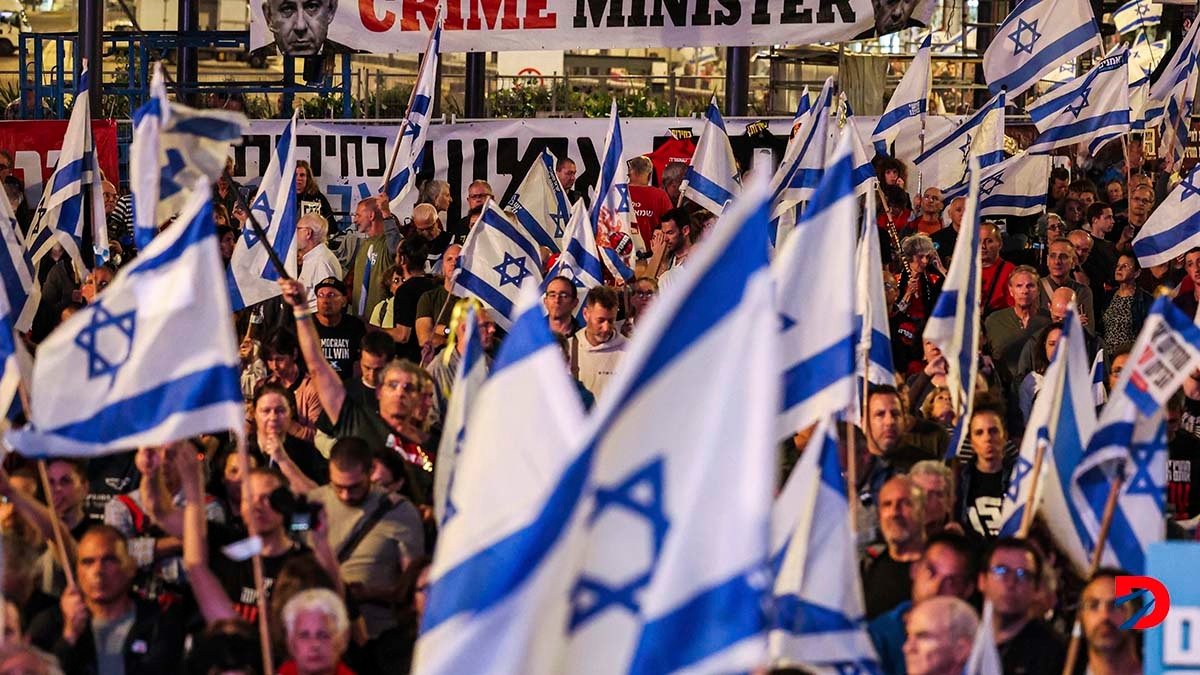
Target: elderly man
column 1061, row 260
column 936, row 480
column 945, row 238
column 886, row 577
column 317, row 262
column 1009, row 329
column 428, row 226
column 437, row 304
column 478, row 192
column 649, row 203
column 940, row 634
column 931, row 212
column 371, row 260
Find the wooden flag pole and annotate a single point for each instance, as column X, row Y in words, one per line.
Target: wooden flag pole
column 1110, row 507
column 56, row 524
column 264, row 632
column 1031, row 501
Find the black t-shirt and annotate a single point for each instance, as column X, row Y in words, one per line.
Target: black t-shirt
column 109, row 476
column 342, row 344
column 984, row 502
column 1189, row 421
column 436, row 247
column 943, row 242
column 1183, row 496
column 357, row 419
column 1036, row 650
column 886, row 583
column 238, row 576
column 404, row 313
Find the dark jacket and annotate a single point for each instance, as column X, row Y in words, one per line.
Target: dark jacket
column 154, row 644
column 1140, row 309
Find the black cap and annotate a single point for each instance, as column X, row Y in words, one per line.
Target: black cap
column 332, row 282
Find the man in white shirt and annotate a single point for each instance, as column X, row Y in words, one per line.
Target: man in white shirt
column 316, row 261
column 596, row 350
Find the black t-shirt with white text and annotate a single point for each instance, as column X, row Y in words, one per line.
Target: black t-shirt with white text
column 1183, row 494
column 342, row 344
column 238, row 576
column 984, row 502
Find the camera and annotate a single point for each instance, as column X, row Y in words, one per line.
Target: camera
column 299, row 513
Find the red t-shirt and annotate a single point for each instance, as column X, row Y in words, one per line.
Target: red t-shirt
column 649, row 204
column 1000, row 297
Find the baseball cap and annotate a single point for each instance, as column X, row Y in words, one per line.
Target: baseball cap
column 331, row 282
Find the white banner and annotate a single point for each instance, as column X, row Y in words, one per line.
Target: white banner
column 387, row 26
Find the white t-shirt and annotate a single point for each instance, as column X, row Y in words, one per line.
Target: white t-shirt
column 317, row 265
column 597, row 363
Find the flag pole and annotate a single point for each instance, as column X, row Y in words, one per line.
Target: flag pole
column 258, row 229
column 1031, row 500
column 264, row 633
column 60, row 546
column 1110, row 507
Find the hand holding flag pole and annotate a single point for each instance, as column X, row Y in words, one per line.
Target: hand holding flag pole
column 276, row 261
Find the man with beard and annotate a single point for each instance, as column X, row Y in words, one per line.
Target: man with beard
column 886, row 578
column 1110, row 650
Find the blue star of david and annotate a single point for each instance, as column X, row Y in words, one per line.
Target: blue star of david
column 103, row 359
column 965, row 148
column 623, row 193
column 785, row 322
column 641, row 496
column 991, row 183
column 1143, row 483
column 1189, row 188
column 1034, row 36
column 1023, row 468
column 166, row 177
column 1083, row 102
column 559, row 219
column 514, row 279
column 1142, row 10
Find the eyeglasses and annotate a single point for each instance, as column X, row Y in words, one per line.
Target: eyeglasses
column 559, row 295
column 643, row 294
column 482, row 195
column 328, row 296
column 1020, row 574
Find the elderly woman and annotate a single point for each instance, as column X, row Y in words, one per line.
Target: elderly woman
column 920, row 284
column 318, row 632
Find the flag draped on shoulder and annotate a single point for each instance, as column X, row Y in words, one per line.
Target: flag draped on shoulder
column 712, row 179
column 174, row 146
column 818, row 339
column 1173, row 228
column 909, row 101
column 1131, row 441
column 1036, row 37
column 1014, row 187
column 1137, row 14
column 819, row 619
column 252, row 276
column 1092, row 109
column 540, row 204
column 468, row 379
column 579, row 261
column 497, row 587
column 408, row 156
column 943, row 163
column 612, row 212
column 495, row 261
column 151, row 360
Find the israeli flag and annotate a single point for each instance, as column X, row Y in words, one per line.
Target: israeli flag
column 495, row 261
column 499, row 581
column 712, row 177
column 408, row 155
column 954, row 45
column 1144, row 57
column 1175, row 92
column 1092, row 109
column 864, row 167
column 874, row 362
column 956, row 317
column 579, row 261
column 944, row 160
column 468, row 380
column 1181, row 66
column 1014, row 187
column 985, row 657
column 14, row 359
column 252, row 276
column 1137, row 14
column 803, row 112
column 909, row 102
column 1036, row 37
column 1174, row 227
column 174, row 146
column 72, row 205
column 1099, row 389
column 1131, row 440
column 1062, row 420
column 151, row 360
column 540, row 204
column 795, row 181
column 819, row 622
column 818, row 340
column 16, row 272
column 612, row 213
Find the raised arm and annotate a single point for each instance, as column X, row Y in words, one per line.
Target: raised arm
column 210, row 595
column 329, row 385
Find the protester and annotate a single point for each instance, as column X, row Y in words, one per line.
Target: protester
column 316, row 261
column 435, row 306
column 886, row 577
column 596, row 349
column 1009, row 580
column 308, row 194
column 940, row 634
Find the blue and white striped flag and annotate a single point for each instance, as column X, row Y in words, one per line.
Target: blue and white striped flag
column 909, row 102
column 1014, row 187
column 954, row 44
column 495, row 261
column 1144, row 57
column 985, row 658
column 1036, row 37
column 408, row 155
column 796, row 180
column 468, row 380
column 540, row 204
column 819, row 622
column 62, row 216
column 151, row 360
column 1099, row 375
column 954, row 322
column 1092, row 109
column 252, row 276
column 16, row 271
column 943, row 163
column 818, row 339
column 1137, row 14
column 803, row 111
column 1175, row 92
column 1174, row 227
column 15, row 361
column 874, row 362
column 864, row 167
column 1131, row 440
column 496, row 570
column 612, row 213
column 579, row 261
column 174, row 146
column 1181, row 66
column 1062, row 420
column 712, row 179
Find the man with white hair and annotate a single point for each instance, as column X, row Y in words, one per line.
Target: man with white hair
column 316, row 261
column 941, row 631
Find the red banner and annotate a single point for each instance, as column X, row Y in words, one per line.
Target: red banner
column 35, row 145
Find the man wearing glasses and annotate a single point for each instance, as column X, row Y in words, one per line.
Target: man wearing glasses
column 478, row 192
column 1010, row 581
column 560, row 300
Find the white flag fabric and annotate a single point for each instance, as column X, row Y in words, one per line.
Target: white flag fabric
column 1144, row 57
column 468, row 380
column 540, row 204
column 957, row 314
column 1092, row 109
column 409, row 154
column 1174, row 227
column 819, row 621
column 985, row 658
column 864, row 167
column 252, row 276
column 1131, row 440
column 495, row 261
column 1181, row 65
column 796, row 181
column 874, row 359
column 1036, row 37
column 16, row 271
column 712, row 179
column 580, row 259
column 1014, row 187
column 909, row 101
column 819, row 339
column 1062, row 420
column 1137, row 14
column 152, row 360
column 1175, row 92
column 943, row 163
column 612, row 213
column 489, row 600
column 173, row 148
column 1099, row 386
column 62, row 216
